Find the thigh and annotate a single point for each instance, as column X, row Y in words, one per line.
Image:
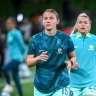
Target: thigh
column 8, row 66
column 15, row 68
column 90, row 91
column 38, row 93
column 12, row 66
column 66, row 91
column 76, row 91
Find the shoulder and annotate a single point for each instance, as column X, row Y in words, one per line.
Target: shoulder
column 73, row 35
column 93, row 36
column 62, row 34
column 16, row 31
column 37, row 36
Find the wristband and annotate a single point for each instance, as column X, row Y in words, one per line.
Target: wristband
column 71, row 63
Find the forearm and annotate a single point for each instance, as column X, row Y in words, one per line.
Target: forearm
column 74, row 64
column 73, row 59
column 32, row 61
column 71, row 63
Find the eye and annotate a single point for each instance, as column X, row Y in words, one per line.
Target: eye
column 80, row 22
column 45, row 18
column 85, row 22
column 51, row 17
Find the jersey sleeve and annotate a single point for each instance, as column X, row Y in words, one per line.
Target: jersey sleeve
column 70, row 46
column 31, row 48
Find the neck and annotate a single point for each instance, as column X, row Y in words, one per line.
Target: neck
column 50, row 32
column 84, row 33
column 11, row 29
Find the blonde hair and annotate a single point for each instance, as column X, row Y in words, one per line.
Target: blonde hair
column 81, row 15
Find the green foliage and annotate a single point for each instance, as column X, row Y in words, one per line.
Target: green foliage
column 83, row 5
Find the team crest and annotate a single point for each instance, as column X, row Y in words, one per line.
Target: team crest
column 91, row 47
column 59, row 51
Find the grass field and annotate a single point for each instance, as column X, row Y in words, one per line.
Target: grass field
column 27, row 85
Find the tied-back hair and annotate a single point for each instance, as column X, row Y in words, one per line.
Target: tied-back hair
column 80, row 15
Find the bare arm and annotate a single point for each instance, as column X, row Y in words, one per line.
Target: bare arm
column 72, row 59
column 72, row 56
column 31, row 60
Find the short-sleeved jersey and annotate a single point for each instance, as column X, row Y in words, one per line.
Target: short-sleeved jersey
column 51, row 75
column 85, row 49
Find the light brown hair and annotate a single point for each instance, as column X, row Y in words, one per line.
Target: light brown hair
column 52, row 11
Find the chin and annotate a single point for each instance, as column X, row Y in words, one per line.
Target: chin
column 48, row 29
column 84, row 32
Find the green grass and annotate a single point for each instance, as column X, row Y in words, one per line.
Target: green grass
column 27, row 90
column 26, row 86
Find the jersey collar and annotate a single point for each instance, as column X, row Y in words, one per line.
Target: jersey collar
column 80, row 35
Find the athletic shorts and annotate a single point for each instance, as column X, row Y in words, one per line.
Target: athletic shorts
column 62, row 92
column 66, row 91
column 84, row 91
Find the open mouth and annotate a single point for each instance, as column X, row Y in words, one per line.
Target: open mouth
column 82, row 28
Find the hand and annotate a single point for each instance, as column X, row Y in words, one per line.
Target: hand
column 69, row 66
column 43, row 56
column 75, row 65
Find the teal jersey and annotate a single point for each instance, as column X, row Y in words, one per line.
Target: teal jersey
column 85, row 49
column 16, row 45
column 51, row 75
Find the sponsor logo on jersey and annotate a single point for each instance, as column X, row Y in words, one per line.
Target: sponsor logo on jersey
column 91, row 47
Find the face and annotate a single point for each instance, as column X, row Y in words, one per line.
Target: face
column 49, row 21
column 83, row 24
column 10, row 24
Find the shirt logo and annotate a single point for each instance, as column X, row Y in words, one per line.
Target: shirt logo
column 91, row 47
column 41, row 50
column 59, row 51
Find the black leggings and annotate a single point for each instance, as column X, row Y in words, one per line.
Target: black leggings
column 13, row 67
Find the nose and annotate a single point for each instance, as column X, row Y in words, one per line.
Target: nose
column 48, row 20
column 83, row 24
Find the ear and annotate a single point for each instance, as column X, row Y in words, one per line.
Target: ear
column 58, row 21
column 42, row 22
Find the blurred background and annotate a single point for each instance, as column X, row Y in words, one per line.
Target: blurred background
column 28, row 15
column 30, row 11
